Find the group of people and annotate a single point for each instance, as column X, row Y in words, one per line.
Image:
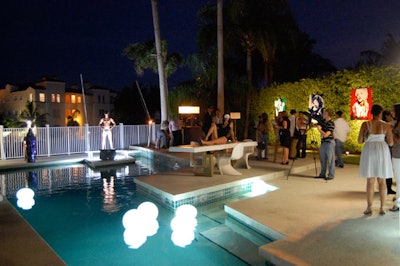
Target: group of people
column 218, row 127
column 380, row 157
column 291, row 135
column 169, row 134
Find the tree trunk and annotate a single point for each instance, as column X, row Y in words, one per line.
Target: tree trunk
column 267, row 73
column 160, row 62
column 248, row 93
column 221, row 74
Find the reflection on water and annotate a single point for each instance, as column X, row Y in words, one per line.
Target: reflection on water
column 78, row 212
column 110, row 201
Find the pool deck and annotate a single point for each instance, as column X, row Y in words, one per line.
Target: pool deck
column 322, row 221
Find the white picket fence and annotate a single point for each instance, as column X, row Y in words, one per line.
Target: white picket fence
column 69, row 140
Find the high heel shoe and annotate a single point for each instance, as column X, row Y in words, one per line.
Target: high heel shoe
column 382, row 212
column 394, row 209
column 368, row 212
column 284, row 163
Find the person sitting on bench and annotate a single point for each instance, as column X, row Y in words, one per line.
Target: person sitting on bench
column 220, row 135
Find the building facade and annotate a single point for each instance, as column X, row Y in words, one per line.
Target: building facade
column 85, row 106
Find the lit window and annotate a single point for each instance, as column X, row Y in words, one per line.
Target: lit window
column 30, row 97
column 79, row 99
column 58, row 98
column 42, row 97
column 53, row 98
column 73, row 99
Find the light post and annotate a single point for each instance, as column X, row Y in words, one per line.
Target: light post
column 185, row 111
column 148, row 136
column 234, row 117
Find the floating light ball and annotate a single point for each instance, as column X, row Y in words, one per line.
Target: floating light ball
column 139, row 224
column 148, row 209
column 131, row 219
column 186, row 210
column 25, row 198
column 182, row 238
column 24, row 193
column 183, row 225
column 134, row 237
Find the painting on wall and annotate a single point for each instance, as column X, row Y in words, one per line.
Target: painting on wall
column 361, row 103
column 316, row 107
column 280, row 105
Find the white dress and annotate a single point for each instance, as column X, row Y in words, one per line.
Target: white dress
column 375, row 158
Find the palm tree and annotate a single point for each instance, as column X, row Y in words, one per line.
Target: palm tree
column 254, row 24
column 144, row 57
column 32, row 114
column 160, row 61
column 153, row 55
column 220, row 41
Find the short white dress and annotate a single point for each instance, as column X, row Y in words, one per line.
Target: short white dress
column 375, row 158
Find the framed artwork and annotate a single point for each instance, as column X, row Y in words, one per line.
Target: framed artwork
column 280, row 105
column 316, row 106
column 361, row 103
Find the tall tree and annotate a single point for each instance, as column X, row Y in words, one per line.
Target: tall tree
column 255, row 25
column 144, row 57
column 220, row 40
column 160, row 60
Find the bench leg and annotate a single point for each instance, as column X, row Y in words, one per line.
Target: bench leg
column 225, row 167
column 206, row 167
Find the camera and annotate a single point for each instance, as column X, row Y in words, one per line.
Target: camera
column 315, row 119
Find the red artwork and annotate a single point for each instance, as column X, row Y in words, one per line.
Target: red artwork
column 361, row 103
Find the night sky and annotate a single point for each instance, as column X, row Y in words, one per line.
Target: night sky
column 69, row 38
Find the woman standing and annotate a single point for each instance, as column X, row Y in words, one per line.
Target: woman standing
column 284, row 135
column 263, row 129
column 276, row 133
column 375, row 161
column 396, row 157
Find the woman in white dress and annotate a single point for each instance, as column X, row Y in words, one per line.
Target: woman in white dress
column 375, row 161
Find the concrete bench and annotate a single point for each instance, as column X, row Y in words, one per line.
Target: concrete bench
column 207, row 162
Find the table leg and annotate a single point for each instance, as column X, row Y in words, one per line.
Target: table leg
column 205, row 167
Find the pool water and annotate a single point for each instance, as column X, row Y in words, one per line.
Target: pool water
column 82, row 220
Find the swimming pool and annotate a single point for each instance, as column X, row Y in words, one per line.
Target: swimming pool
column 78, row 212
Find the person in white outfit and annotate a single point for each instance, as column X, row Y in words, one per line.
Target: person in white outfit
column 342, row 129
column 375, row 160
column 107, row 124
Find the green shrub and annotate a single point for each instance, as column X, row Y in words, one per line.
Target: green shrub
column 336, row 90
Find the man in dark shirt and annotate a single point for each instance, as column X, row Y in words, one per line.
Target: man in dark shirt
column 327, row 149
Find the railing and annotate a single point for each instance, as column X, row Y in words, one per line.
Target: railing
column 70, row 140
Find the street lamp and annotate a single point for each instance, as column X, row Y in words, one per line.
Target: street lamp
column 234, row 117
